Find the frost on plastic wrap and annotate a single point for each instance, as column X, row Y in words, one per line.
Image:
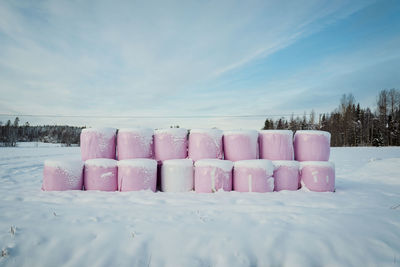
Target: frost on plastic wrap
column 240, row 145
column 98, row 143
column 286, row 175
column 64, row 174
column 137, row 174
column 276, row 144
column 135, row 143
column 312, row 145
column 170, row 143
column 205, row 144
column 101, row 174
column 253, row 176
column 213, row 175
column 177, row 175
column 318, row 175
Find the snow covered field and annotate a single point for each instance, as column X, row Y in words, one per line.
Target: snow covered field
column 356, row 226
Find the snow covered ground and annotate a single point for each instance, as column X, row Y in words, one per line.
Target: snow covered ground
column 356, row 226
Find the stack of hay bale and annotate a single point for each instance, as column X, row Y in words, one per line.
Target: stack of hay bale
column 204, row 160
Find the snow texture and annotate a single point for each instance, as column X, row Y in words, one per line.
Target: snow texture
column 146, row 134
column 324, row 133
column 287, row 163
column 149, row 164
column 285, row 132
column 180, row 133
column 73, row 167
column 104, row 163
column 329, row 164
column 107, row 133
column 358, row 225
column 225, row 165
column 256, row 164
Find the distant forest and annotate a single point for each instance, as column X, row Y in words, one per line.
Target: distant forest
column 352, row 125
column 349, row 125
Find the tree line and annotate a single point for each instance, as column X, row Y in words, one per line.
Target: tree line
column 349, row 125
column 11, row 133
column 352, row 125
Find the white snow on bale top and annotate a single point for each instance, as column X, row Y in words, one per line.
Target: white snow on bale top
column 178, row 162
column 105, row 163
column 106, row 132
column 324, row 133
column 317, row 164
column 225, row 165
column 214, row 133
column 71, row 166
column 250, row 133
column 178, row 132
column 256, row 164
column 285, row 132
column 140, row 131
column 143, row 163
column 286, row 163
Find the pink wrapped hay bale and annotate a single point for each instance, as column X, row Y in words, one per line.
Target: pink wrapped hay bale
column 211, row 175
column 318, row 176
column 177, row 175
column 170, row 144
column 137, row 174
column 276, row 144
column 205, row 144
column 253, row 176
column 60, row 175
column 98, row 143
column 101, row 174
column 240, row 145
column 286, row 175
column 134, row 143
column 312, row 145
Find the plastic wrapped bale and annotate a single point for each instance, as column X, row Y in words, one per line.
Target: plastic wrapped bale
column 98, row 143
column 101, row 174
column 240, row 145
column 205, row 144
column 276, row 144
column 253, row 176
column 137, row 174
column 135, row 143
column 286, row 175
column 177, row 175
column 318, row 176
column 170, row 144
column 211, row 175
column 312, row 145
column 60, row 175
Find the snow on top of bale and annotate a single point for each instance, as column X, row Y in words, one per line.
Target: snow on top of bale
column 286, row 163
column 250, row 133
column 178, row 132
column 256, row 164
column 225, row 165
column 285, row 132
column 106, row 132
column 316, row 132
column 104, row 163
column 178, row 162
column 143, row 163
column 328, row 164
column 140, row 131
column 214, row 133
column 69, row 165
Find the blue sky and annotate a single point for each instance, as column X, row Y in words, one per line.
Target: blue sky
column 193, row 58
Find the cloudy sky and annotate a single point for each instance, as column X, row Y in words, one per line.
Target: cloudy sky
column 208, row 59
